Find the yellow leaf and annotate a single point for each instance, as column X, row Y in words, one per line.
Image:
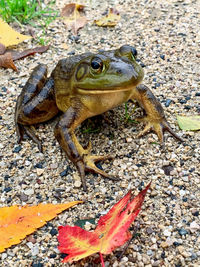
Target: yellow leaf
column 17, row 222
column 110, row 20
column 8, row 36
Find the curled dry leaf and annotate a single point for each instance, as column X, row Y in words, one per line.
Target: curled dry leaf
column 111, row 232
column 6, row 61
column 110, row 20
column 9, row 36
column 73, row 18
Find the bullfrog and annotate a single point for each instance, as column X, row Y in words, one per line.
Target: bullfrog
column 83, row 86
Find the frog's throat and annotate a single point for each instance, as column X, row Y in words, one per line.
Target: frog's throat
column 104, row 90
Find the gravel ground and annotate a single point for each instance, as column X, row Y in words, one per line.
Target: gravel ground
column 166, row 35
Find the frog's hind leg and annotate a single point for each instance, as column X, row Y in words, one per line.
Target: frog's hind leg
column 35, row 104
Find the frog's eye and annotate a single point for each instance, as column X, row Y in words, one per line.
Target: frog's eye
column 134, row 52
column 97, row 64
column 127, row 50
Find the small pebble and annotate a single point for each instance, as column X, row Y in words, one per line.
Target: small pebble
column 53, row 232
column 7, row 189
column 182, row 231
column 162, row 57
column 29, row 192
column 167, row 232
column 65, row 172
column 39, row 171
column 168, row 102
column 77, row 184
column 195, row 213
column 17, row 149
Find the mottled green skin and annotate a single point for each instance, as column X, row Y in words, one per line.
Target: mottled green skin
column 83, row 86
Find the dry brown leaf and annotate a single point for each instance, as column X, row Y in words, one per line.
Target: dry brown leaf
column 72, row 17
column 2, row 49
column 6, row 61
column 80, row 23
column 69, row 9
column 8, row 36
column 21, row 54
column 110, row 20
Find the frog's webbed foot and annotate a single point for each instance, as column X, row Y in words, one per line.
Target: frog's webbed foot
column 88, row 165
column 30, row 132
column 155, row 118
column 159, row 127
column 83, row 160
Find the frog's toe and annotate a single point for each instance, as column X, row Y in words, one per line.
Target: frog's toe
column 88, row 148
column 29, row 130
column 91, row 167
column 166, row 127
column 159, row 127
column 88, row 164
column 148, row 128
column 19, row 132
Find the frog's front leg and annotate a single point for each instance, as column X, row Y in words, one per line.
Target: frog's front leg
column 64, row 133
column 155, row 118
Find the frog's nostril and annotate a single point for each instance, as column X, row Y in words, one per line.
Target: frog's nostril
column 119, row 71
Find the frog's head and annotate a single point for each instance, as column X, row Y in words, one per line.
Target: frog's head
column 107, row 71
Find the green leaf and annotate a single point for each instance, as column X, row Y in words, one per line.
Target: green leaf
column 81, row 223
column 189, row 123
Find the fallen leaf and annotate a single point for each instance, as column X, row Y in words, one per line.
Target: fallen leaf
column 21, row 54
column 110, row 233
column 2, row 49
column 110, row 20
column 8, row 36
column 69, row 9
column 189, row 123
column 17, row 222
column 6, row 61
column 72, row 17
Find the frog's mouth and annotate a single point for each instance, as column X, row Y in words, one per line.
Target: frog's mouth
column 105, row 90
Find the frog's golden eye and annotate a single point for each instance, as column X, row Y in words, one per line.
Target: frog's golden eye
column 97, row 64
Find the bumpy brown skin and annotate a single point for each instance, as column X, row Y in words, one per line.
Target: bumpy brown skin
column 81, row 88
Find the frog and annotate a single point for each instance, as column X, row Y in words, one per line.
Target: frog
column 83, row 86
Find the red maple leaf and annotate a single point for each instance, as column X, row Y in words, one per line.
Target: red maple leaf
column 110, row 233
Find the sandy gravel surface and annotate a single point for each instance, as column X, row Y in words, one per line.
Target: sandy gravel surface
column 166, row 35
